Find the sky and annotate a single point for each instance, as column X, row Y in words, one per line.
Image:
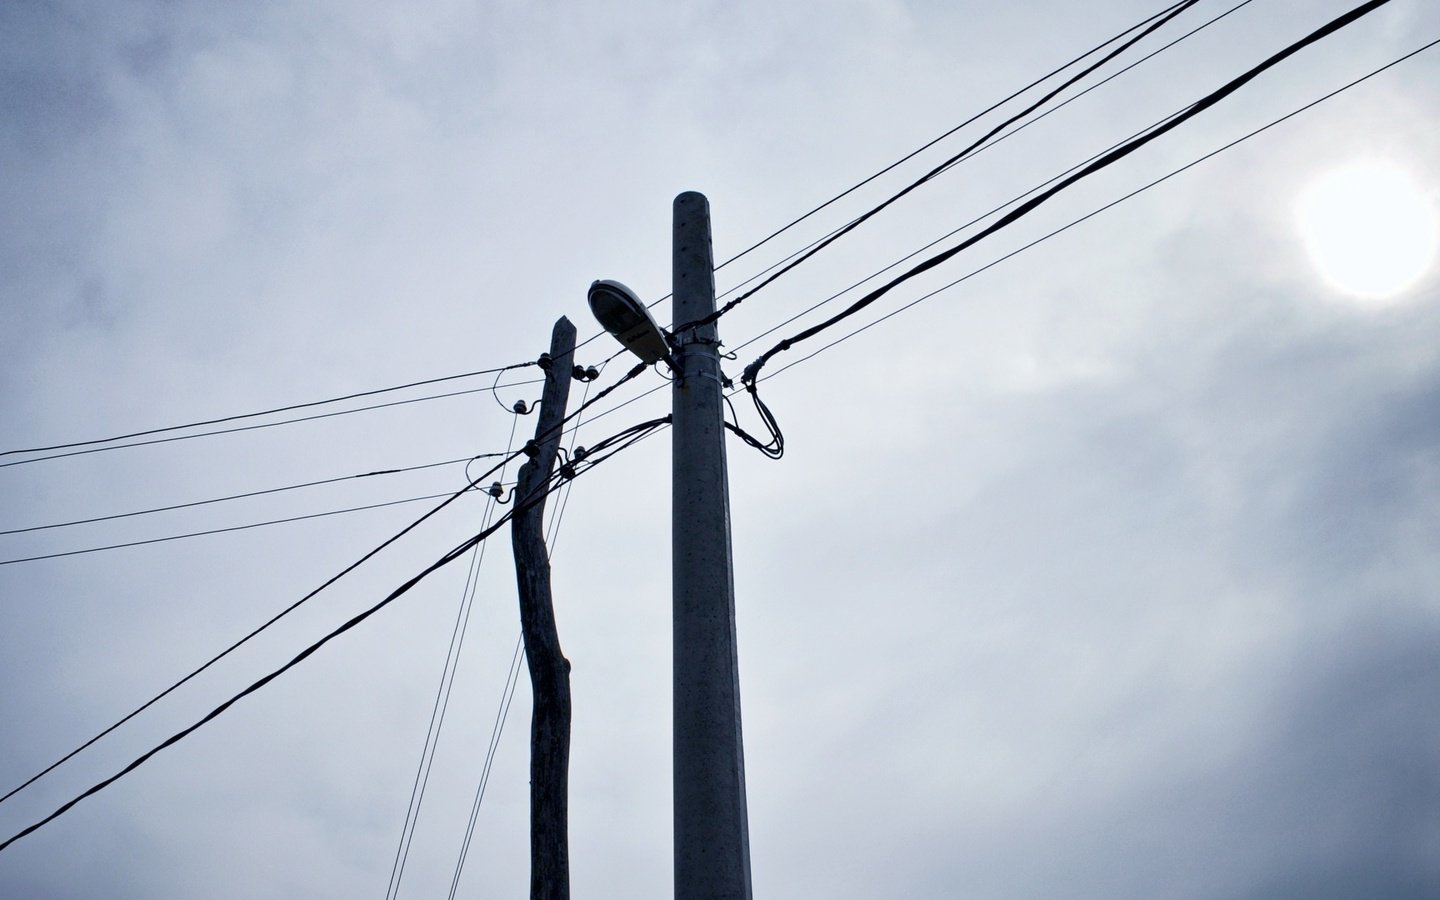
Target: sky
column 1108, row 572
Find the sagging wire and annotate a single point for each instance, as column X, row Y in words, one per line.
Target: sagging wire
column 615, row 444
column 775, row 448
column 633, row 373
column 1154, row 24
column 752, row 371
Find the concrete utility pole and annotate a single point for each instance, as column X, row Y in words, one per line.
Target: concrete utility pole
column 712, row 835
column 549, row 669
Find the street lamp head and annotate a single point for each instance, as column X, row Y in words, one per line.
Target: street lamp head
column 623, row 315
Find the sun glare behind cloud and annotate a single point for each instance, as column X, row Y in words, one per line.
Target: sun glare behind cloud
column 1369, row 229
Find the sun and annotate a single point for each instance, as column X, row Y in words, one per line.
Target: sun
column 1369, row 229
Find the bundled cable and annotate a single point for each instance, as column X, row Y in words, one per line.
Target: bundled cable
column 614, row 444
column 752, row 371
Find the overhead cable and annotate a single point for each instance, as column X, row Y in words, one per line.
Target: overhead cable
column 442, row 692
column 630, row 375
column 921, row 149
column 265, row 412
column 1001, row 139
column 752, row 371
column 1159, row 22
column 618, row 442
column 311, row 418
column 227, row 529
column 1116, row 202
column 259, row 493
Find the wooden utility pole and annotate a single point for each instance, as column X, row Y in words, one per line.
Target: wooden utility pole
column 549, row 669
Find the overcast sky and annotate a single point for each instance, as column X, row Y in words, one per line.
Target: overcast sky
column 1107, row 573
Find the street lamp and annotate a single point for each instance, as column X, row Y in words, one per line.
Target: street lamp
column 623, row 315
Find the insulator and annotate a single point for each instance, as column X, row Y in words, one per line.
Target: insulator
column 591, row 373
column 531, row 449
column 567, row 471
column 545, row 361
column 579, row 454
column 495, row 490
column 520, row 407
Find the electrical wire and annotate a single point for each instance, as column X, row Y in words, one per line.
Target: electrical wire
column 200, row 434
column 1153, row 24
column 992, row 144
column 502, row 715
column 259, row 493
column 265, row 412
column 632, row 374
column 752, row 371
column 1116, row 202
column 917, row 151
column 442, row 693
column 1013, row 200
column 191, row 534
column 619, row 442
column 507, row 693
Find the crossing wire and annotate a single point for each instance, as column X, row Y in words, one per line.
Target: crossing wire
column 940, row 169
column 242, row 496
column 507, row 693
column 1112, row 204
column 995, row 143
column 620, row 442
column 311, row 418
column 442, row 692
column 630, row 375
column 264, row 412
column 752, row 371
column 917, row 151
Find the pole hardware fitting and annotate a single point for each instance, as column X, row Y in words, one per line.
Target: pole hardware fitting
column 585, row 373
column 545, row 362
column 531, row 449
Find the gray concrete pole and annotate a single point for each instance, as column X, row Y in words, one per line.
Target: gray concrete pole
column 712, row 835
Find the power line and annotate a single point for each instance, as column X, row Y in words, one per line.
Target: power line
column 917, row 151
column 502, row 715
column 619, row 441
column 1154, row 23
column 752, row 371
column 633, row 373
column 992, row 144
column 1174, row 8
column 200, row 434
column 442, row 693
column 1108, row 206
column 507, row 693
column 225, row 530
column 265, row 412
column 241, row 496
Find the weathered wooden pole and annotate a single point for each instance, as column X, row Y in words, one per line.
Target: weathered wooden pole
column 549, row 669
